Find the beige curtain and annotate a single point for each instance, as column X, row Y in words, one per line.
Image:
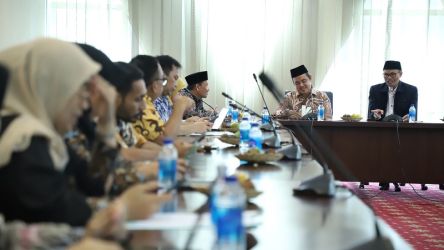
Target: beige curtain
column 21, row 21
column 233, row 39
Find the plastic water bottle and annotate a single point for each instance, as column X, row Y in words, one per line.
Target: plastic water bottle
column 412, row 113
column 229, row 203
column 230, row 109
column 167, row 164
column 218, row 186
column 321, row 112
column 244, row 128
column 234, row 115
column 255, row 137
column 265, row 116
column 247, row 115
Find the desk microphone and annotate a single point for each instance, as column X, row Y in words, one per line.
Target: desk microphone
column 324, row 184
column 294, row 150
column 241, row 106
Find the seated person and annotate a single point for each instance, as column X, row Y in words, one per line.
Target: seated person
column 133, row 151
column 102, row 230
column 305, row 99
column 180, row 84
column 196, row 90
column 393, row 96
column 164, row 105
column 46, row 95
column 150, row 125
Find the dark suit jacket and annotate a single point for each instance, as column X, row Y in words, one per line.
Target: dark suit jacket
column 405, row 96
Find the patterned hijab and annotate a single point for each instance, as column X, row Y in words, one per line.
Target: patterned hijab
column 44, row 75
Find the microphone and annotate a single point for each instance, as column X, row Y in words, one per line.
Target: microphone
column 274, row 141
column 241, row 106
column 324, row 184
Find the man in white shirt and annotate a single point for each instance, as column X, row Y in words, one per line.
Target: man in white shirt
column 393, row 96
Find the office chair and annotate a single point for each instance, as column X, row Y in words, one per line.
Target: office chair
column 3, row 81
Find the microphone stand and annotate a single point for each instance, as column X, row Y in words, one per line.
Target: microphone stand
column 324, row 185
column 214, row 110
column 244, row 107
column 274, row 141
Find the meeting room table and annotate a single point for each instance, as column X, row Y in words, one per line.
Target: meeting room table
column 282, row 220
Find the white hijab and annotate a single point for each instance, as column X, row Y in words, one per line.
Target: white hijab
column 44, row 75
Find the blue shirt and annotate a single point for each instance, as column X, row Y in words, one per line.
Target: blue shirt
column 164, row 107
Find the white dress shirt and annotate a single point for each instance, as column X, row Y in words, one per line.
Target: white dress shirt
column 391, row 101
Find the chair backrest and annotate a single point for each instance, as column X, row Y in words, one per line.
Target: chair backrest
column 330, row 96
column 3, row 81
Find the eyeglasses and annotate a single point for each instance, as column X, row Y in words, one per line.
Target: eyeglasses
column 164, row 81
column 392, row 74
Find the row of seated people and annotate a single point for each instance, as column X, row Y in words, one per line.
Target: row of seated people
column 72, row 124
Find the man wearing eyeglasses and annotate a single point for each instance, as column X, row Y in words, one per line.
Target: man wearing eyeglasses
column 150, row 125
column 393, row 97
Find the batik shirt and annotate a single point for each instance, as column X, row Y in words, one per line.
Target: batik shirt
column 164, row 107
column 198, row 109
column 150, row 125
column 18, row 235
column 291, row 106
column 127, row 136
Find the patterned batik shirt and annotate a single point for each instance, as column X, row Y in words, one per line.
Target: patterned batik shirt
column 164, row 107
column 198, row 109
column 150, row 125
column 291, row 106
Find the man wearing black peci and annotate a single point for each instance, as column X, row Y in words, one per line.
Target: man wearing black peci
column 393, row 96
column 197, row 89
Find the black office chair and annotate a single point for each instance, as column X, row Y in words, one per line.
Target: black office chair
column 4, row 75
column 330, row 96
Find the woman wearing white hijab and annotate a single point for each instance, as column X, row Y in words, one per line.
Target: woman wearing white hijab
column 50, row 85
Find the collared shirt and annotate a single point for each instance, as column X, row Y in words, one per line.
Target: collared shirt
column 150, row 125
column 291, row 106
column 198, row 109
column 391, row 100
column 127, row 137
column 164, row 107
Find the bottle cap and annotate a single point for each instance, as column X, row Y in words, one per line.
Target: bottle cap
column 244, row 118
column 231, row 179
column 254, row 124
column 168, row 140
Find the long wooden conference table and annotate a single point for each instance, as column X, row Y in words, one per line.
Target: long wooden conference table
column 285, row 221
column 380, row 151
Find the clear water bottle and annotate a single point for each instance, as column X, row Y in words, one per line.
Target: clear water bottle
column 167, row 164
column 230, row 108
column 244, row 128
column 247, row 115
column 255, row 137
column 265, row 116
column 412, row 113
column 218, row 186
column 321, row 112
column 229, row 203
column 234, row 115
